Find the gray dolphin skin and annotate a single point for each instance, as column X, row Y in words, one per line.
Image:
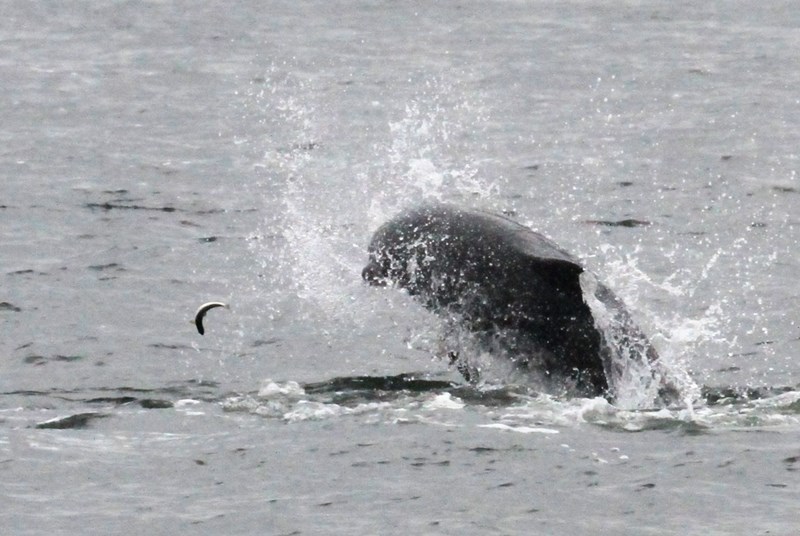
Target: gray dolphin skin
column 502, row 281
column 201, row 313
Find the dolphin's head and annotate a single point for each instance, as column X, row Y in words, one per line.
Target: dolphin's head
column 388, row 261
column 401, row 252
column 375, row 273
column 424, row 251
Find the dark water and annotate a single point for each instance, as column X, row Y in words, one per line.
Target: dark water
column 155, row 156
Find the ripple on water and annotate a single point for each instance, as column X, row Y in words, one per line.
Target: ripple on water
column 503, row 408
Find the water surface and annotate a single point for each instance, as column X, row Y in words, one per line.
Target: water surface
column 159, row 155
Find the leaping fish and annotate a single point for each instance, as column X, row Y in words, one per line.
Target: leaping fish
column 201, row 312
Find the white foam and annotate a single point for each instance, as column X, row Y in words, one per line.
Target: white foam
column 306, row 410
column 271, row 389
column 443, row 401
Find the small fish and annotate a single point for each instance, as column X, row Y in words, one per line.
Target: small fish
column 201, row 312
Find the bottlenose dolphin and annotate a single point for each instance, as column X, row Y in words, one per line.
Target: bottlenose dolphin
column 504, row 282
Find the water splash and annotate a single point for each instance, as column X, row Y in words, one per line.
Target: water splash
column 315, row 250
column 417, row 157
column 424, row 159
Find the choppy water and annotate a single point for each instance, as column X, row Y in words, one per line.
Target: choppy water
column 158, row 155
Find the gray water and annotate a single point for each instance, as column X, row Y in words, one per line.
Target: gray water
column 157, row 155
